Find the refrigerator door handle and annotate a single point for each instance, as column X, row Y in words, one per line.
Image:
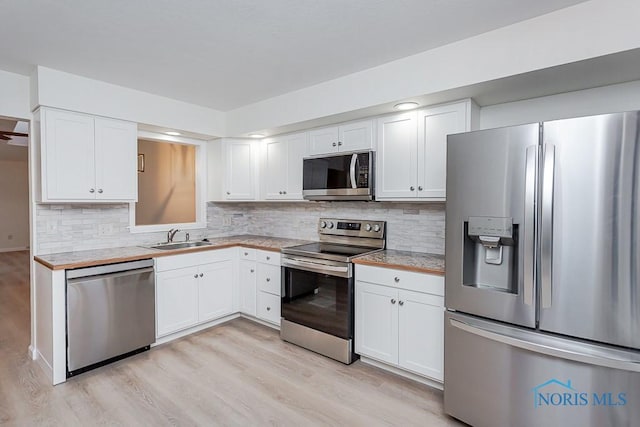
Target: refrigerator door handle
column 527, row 342
column 546, row 225
column 531, row 167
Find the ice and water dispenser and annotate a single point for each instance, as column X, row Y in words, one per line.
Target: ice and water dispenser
column 491, row 253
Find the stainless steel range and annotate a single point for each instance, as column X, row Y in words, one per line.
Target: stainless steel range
column 318, row 286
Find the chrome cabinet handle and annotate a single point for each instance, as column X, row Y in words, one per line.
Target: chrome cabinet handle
column 201, row 274
column 412, row 188
column 252, row 270
column 268, row 308
column 396, row 279
column 393, row 301
column 268, row 279
column 284, row 192
column 400, row 302
column 279, row 192
column 228, row 193
column 91, row 190
column 195, row 276
column 339, row 142
column 246, row 253
column 419, row 187
column 334, row 144
column 268, row 258
column 99, row 190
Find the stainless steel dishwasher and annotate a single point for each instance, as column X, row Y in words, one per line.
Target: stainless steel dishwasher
column 110, row 313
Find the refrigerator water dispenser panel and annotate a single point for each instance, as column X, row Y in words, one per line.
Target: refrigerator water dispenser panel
column 491, row 253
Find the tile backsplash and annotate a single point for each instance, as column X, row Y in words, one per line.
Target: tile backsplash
column 415, row 227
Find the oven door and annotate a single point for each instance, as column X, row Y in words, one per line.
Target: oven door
column 318, row 296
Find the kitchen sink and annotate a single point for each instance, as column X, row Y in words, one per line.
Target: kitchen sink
column 180, row 245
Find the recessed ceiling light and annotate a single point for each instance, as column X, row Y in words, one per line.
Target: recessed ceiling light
column 405, row 106
column 173, row 133
column 256, row 135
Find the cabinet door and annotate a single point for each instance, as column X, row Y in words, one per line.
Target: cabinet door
column 356, row 136
column 376, row 321
column 397, row 164
column 323, row 141
column 247, row 277
column 421, row 333
column 215, row 290
column 177, row 300
column 434, row 124
column 240, row 170
column 275, row 168
column 296, row 150
column 68, row 156
column 116, row 145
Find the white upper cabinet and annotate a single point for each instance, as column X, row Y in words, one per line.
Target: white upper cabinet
column 412, row 151
column 240, row 170
column 86, row 158
column 232, row 169
column 282, row 156
column 396, row 159
column 355, row 136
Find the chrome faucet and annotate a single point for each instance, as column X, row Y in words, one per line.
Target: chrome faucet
column 170, row 234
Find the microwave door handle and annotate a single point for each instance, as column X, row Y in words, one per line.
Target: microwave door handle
column 352, row 170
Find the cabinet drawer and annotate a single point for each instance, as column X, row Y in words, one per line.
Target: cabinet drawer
column 269, row 257
column 409, row 280
column 247, row 253
column 269, row 278
column 173, row 262
column 269, row 307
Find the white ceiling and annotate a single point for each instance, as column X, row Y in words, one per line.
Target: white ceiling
column 227, row 54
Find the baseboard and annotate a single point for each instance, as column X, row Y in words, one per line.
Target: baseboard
column 194, row 329
column 18, row 249
column 260, row 321
column 401, row 372
column 44, row 364
column 33, row 353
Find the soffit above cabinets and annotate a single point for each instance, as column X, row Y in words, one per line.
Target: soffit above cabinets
column 224, row 55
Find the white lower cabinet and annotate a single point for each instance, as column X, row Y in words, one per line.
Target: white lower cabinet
column 190, row 290
column 177, row 300
column 269, row 307
column 399, row 319
column 247, row 279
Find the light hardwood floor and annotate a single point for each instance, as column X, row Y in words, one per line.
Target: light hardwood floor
column 239, row 373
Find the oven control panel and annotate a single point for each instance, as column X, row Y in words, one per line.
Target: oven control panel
column 353, row 228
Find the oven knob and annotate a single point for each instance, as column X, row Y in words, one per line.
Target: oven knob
column 330, row 225
column 367, row 227
column 323, row 224
column 376, row 228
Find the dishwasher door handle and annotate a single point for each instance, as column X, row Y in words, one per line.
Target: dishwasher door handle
column 111, row 275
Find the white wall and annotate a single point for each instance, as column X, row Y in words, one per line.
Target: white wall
column 606, row 99
column 587, row 30
column 14, row 96
column 14, row 205
column 58, row 89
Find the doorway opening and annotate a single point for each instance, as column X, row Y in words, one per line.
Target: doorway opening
column 15, row 235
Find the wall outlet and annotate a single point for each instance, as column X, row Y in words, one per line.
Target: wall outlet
column 105, row 229
column 52, row 227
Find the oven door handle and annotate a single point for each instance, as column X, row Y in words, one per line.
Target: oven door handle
column 316, row 267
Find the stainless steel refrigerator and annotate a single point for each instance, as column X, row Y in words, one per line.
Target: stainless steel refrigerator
column 542, row 326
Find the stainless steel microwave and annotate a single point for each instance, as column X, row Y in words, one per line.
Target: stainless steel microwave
column 339, row 177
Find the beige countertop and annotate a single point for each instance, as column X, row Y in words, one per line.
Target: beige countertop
column 77, row 259
column 403, row 260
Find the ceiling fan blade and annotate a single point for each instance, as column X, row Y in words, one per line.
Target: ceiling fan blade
column 5, row 133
